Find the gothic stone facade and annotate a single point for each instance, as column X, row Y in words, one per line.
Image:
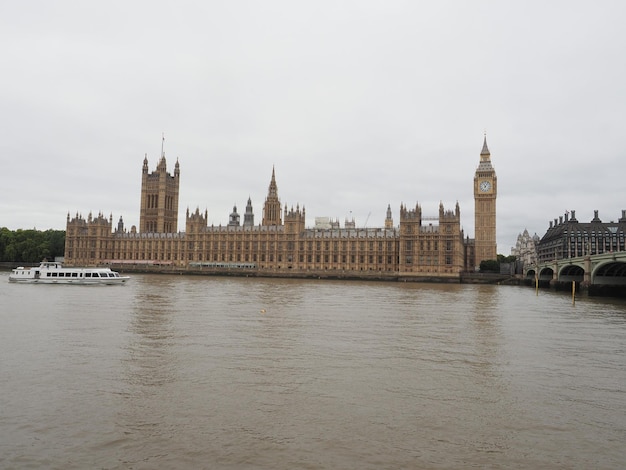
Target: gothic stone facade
column 485, row 193
column 525, row 249
column 159, row 198
column 419, row 247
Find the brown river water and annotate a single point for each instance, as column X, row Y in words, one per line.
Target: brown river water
column 184, row 372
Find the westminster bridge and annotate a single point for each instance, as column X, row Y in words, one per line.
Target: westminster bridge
column 600, row 270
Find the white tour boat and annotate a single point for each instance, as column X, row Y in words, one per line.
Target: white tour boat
column 54, row 273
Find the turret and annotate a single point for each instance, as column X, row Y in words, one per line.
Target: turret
column 294, row 220
column 248, row 216
column 233, row 218
column 196, row 222
column 388, row 218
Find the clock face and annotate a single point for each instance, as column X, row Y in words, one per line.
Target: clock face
column 485, row 186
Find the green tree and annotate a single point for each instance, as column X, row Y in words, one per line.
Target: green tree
column 56, row 239
column 30, row 246
column 489, row 266
column 6, row 238
column 507, row 259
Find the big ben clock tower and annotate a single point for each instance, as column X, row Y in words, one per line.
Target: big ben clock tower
column 485, row 192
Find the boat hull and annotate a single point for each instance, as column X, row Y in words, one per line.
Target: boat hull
column 56, row 273
column 82, row 282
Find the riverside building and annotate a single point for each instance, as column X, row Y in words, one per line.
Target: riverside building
column 420, row 247
column 566, row 237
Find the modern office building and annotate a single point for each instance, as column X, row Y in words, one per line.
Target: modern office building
column 566, row 237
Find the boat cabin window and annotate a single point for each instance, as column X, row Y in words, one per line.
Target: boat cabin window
column 87, row 274
column 74, row 274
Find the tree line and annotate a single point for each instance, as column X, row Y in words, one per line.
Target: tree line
column 493, row 265
column 30, row 246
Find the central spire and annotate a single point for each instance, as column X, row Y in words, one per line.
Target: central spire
column 273, row 189
column 272, row 207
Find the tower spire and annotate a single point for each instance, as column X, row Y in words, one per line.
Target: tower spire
column 485, row 150
column 272, row 208
column 273, row 189
column 162, row 145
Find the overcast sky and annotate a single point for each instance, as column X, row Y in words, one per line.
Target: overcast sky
column 357, row 104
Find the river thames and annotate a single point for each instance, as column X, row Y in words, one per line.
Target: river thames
column 188, row 372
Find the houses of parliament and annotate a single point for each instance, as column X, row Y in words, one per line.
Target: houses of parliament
column 418, row 248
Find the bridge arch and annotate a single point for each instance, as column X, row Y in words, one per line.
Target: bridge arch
column 612, row 273
column 546, row 274
column 571, row 272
